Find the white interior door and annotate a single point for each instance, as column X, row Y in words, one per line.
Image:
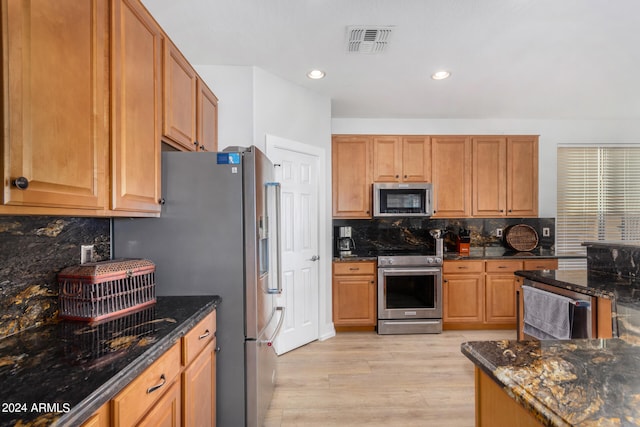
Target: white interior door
column 297, row 172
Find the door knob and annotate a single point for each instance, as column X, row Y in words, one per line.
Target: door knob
column 314, row 258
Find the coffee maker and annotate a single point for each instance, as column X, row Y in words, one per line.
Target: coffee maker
column 345, row 243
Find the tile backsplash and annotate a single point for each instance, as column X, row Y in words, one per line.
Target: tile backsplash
column 33, row 249
column 373, row 235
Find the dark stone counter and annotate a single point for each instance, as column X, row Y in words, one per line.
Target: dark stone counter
column 66, row 370
column 498, row 252
column 566, row 383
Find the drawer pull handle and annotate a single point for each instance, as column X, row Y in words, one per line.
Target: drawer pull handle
column 157, row 386
column 354, row 268
column 462, row 267
column 502, row 266
column 206, row 334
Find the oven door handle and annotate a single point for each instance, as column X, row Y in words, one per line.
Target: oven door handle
column 409, row 271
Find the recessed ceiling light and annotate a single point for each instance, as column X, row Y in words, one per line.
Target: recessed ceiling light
column 440, row 75
column 315, row 74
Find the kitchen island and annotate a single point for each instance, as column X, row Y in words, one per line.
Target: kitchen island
column 65, row 371
column 556, row 383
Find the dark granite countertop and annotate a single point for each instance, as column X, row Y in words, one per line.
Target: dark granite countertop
column 480, row 253
column 70, row 369
column 566, row 383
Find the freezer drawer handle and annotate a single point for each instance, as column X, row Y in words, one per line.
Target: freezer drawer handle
column 280, row 323
column 156, row 387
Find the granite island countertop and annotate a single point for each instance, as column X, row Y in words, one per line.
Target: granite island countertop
column 566, row 383
column 65, row 371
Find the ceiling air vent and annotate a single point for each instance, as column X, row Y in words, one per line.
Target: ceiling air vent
column 367, row 39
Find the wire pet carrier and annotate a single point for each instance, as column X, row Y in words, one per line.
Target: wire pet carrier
column 100, row 290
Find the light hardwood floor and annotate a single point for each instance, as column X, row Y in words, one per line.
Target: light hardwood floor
column 365, row 379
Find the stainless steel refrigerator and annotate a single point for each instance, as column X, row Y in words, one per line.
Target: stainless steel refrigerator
column 218, row 234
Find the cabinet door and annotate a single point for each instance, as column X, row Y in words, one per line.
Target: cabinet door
column 101, row 418
column 199, row 389
column 179, row 101
column 165, row 413
column 55, row 73
column 416, row 159
column 463, row 298
column 136, row 106
column 500, row 298
column 522, row 176
column 351, row 176
column 489, row 187
column 451, row 169
column 354, row 301
column 387, row 159
column 207, row 122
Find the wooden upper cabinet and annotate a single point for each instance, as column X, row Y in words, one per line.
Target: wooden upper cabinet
column 351, row 175
column 136, row 104
column 522, row 176
column 207, row 118
column 179, row 99
column 505, row 176
column 489, row 176
column 451, row 175
column 387, row 158
column 416, row 159
column 401, row 159
column 55, row 103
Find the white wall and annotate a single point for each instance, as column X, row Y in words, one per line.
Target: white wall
column 254, row 103
column 552, row 133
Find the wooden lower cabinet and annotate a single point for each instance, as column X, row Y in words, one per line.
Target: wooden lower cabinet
column 178, row 389
column 165, row 413
column 494, row 408
column 463, row 294
column 354, row 294
column 482, row 294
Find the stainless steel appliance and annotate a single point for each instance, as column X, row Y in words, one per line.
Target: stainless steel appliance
column 410, row 293
column 218, row 234
column 555, row 313
column 346, row 245
column 402, row 199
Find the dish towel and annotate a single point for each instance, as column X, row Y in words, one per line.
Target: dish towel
column 547, row 315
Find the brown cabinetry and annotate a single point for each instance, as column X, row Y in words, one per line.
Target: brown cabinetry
column 179, row 100
column 483, row 294
column 138, row 398
column 136, row 104
column 463, row 293
column 351, row 170
column 55, row 103
column 354, row 294
column 199, row 376
column 451, row 174
column 207, row 118
column 401, row 159
column 190, row 109
column 500, row 291
column 178, row 389
column 505, row 176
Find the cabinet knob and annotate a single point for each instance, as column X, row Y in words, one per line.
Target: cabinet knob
column 372, row 282
column 501, row 210
column 202, row 147
column 20, row 182
column 397, row 176
column 196, row 143
column 510, row 210
column 162, row 201
column 405, row 176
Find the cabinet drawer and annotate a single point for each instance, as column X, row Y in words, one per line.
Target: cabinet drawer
column 359, row 268
column 198, row 337
column 503, row 266
column 541, row 264
column 140, row 395
column 449, row 267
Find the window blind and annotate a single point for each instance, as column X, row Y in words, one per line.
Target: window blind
column 598, row 197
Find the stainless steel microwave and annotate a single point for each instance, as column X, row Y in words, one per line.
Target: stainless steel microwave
column 402, row 199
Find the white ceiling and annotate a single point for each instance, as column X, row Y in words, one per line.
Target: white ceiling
column 544, row 59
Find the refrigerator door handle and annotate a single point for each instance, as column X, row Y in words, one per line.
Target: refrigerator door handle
column 269, row 342
column 278, row 289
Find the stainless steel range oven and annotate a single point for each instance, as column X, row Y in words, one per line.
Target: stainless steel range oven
column 410, row 294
